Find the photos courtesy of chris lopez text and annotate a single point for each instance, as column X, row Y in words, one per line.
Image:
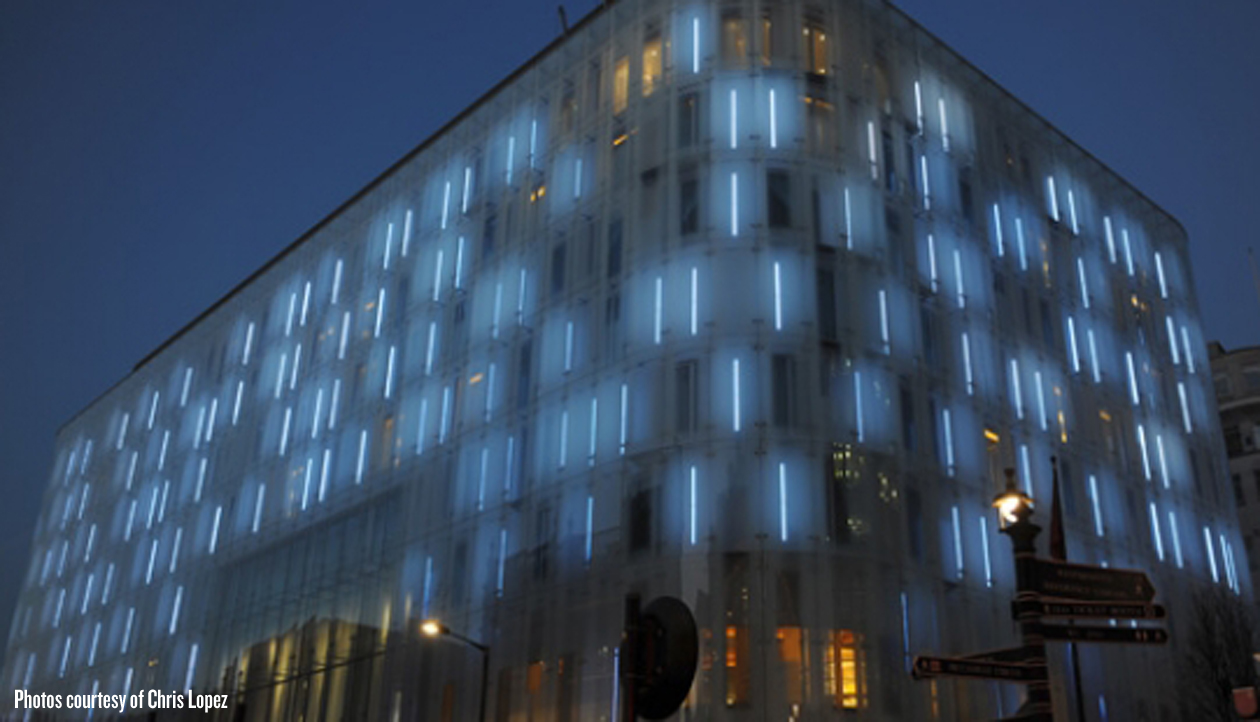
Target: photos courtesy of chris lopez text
column 151, row 699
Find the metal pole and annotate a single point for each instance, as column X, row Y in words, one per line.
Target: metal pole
column 1023, row 534
column 629, row 658
column 485, row 682
column 1076, row 682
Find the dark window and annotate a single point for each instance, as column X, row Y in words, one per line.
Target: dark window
column 964, row 196
column 542, row 543
column 522, row 374
column 640, row 521
column 783, row 384
column 815, row 213
column 688, row 120
column 1047, row 327
column 1233, row 440
column 685, row 397
column 826, row 289
column 907, row 417
column 778, row 199
column 614, row 248
column 1239, row 496
column 689, row 206
column 487, row 236
column 914, row 523
column 557, row 269
column 927, row 323
column 838, row 469
column 890, row 165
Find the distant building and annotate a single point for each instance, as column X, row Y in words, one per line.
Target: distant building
column 1236, row 379
column 740, row 302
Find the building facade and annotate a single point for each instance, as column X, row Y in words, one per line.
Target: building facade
column 1236, row 379
column 740, row 302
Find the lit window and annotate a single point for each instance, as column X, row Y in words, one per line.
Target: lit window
column 789, row 639
column 815, row 41
column 651, row 64
column 621, row 85
column 734, row 39
column 737, row 672
column 847, row 665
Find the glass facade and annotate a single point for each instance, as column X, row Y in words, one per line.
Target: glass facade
column 741, row 302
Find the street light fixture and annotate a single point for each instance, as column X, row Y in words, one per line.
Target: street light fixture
column 1013, row 505
column 433, row 629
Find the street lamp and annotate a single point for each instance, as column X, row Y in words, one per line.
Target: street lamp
column 1013, row 505
column 433, row 629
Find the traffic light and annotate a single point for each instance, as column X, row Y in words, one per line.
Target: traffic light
column 659, row 651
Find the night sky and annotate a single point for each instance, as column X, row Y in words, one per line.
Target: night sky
column 155, row 153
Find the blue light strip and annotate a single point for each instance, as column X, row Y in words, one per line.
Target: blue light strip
column 1207, row 542
column 958, row 554
column 1093, row 497
column 984, row 544
column 783, row 530
column 1156, row 536
column 1176, row 538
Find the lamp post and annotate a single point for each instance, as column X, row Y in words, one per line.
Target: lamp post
column 433, row 629
column 1015, row 510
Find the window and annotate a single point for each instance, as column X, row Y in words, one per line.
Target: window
column 688, row 206
column 908, row 440
column 783, row 383
column 1239, row 497
column 838, row 469
column 826, row 290
column 688, row 120
column 487, row 236
column 914, row 523
column 651, row 63
column 738, row 661
column 734, row 39
column 815, row 47
column 964, row 196
column 890, row 163
column 557, row 269
column 621, row 85
column 523, row 364
column 685, row 397
column 1233, row 441
column 640, row 521
column 1251, row 378
column 614, row 248
column 1221, row 383
column 778, row 199
column 846, row 655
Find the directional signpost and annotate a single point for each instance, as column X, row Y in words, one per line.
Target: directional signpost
column 1090, row 610
column 1115, row 635
column 925, row 667
column 1082, row 582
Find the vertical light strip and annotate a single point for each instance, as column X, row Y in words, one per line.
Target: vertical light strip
column 692, row 510
column 997, row 230
column 463, row 208
column 656, row 315
column 437, row 276
column 96, row 638
column 179, row 598
column 564, row 438
column 306, row 482
column 577, row 179
column 872, row 155
column 152, row 414
column 358, row 467
column 446, row 407
column 459, row 263
column 498, row 302
column 774, row 122
column 122, row 431
column 1093, row 357
column 590, row 526
column 848, row 220
column 148, row 574
column 288, row 321
column 1159, row 454
column 1096, row 504
column 1027, row 468
column 984, row 544
column 734, row 122
column 949, row 441
column 621, row 432
column 940, row 107
column 695, row 45
column 389, row 373
column 258, row 506
column 1128, row 251
column 126, row 640
column 533, row 143
column 345, row 334
column 1146, row 458
column 1185, row 406
column 332, row 406
column 1176, row 538
column 1019, row 241
column 1185, row 345
column 734, row 204
column 406, row 239
column 1080, row 274
column 166, row 441
column 735, row 410
column 179, row 536
column 481, row 478
column 214, row 412
column 590, row 451
column 568, row 346
column 389, row 242
column 918, row 107
column 511, row 151
column 380, row 313
column 1207, row 542
column 1172, row 340
column 1074, row 353
column 1076, row 228
column 1156, row 536
column 336, row 285
column 489, row 392
column 1017, row 397
column 446, row 204
column 520, row 300
column 905, row 629
column 958, row 552
column 926, row 179
column 931, row 249
column 319, row 409
column 284, row 432
column 428, row 587
column 131, row 468
column 958, row 279
column 694, row 302
column 783, row 530
column 428, row 354
column 1133, row 387
column 87, row 593
column 1052, row 199
column 1111, row 239
column 1041, row 399
column 297, row 364
column 192, row 668
column 778, row 298
column 284, row 361
column 509, row 463
column 883, row 322
column 324, row 470
column 65, row 655
column 968, row 378
column 1159, row 272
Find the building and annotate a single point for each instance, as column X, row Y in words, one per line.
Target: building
column 1236, row 379
column 740, row 302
